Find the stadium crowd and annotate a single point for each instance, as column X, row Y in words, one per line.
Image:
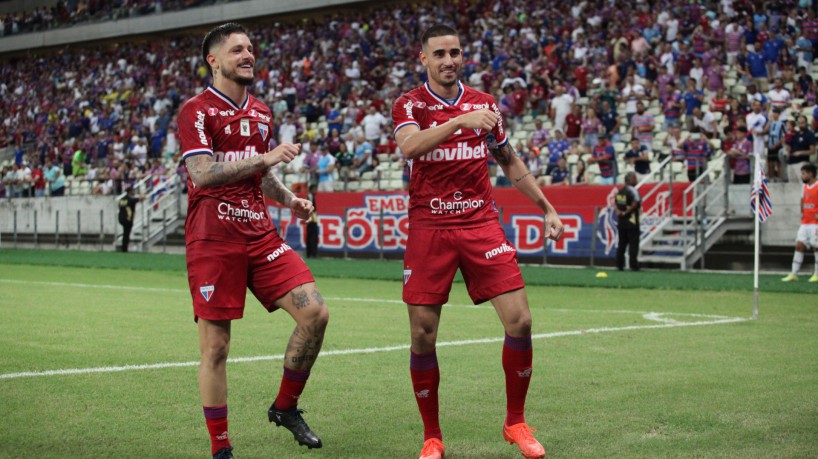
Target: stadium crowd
column 589, row 88
column 67, row 13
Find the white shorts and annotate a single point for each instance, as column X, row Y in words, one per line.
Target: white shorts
column 808, row 235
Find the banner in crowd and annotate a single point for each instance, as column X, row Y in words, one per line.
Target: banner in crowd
column 522, row 221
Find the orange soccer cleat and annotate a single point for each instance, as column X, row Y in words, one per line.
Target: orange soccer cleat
column 433, row 449
column 521, row 435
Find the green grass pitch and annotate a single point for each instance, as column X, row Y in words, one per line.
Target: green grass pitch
column 100, row 351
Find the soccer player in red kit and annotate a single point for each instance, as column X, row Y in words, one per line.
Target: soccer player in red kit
column 231, row 243
column 447, row 129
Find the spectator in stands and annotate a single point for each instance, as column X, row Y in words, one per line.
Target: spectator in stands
column 557, row 148
column 691, row 99
column 632, row 94
column 775, row 143
column 38, row 181
column 10, row 181
column 778, row 96
column 799, row 149
column 362, row 160
column 705, row 122
column 288, row 131
column 642, row 126
column 326, row 171
column 696, row 151
column 604, row 155
column 756, row 68
column 573, row 125
column 672, row 106
column 756, row 122
column 611, row 122
column 741, row 157
column 639, row 158
column 54, row 178
column 591, row 127
column 561, row 106
column 539, row 136
column 560, row 175
column 580, row 177
column 373, row 124
column 78, row 166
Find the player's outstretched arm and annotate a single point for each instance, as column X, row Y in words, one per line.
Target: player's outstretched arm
column 414, row 142
column 206, row 173
column 524, row 180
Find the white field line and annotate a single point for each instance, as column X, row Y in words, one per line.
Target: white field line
column 652, row 316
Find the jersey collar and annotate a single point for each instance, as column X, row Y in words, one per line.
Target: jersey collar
column 223, row 97
column 442, row 99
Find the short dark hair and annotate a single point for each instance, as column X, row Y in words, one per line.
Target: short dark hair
column 809, row 167
column 217, row 36
column 439, row 30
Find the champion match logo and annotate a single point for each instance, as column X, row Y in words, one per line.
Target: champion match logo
column 406, row 274
column 207, row 291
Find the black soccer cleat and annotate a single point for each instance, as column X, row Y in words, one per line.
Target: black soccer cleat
column 224, row 453
column 292, row 420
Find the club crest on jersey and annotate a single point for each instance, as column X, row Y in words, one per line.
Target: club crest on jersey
column 478, row 131
column 407, row 273
column 245, row 127
column 264, row 130
column 207, row 291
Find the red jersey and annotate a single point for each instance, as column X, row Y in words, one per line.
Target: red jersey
column 212, row 124
column 809, row 197
column 449, row 187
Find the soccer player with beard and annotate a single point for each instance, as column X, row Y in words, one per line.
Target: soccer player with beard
column 807, row 237
column 446, row 130
column 231, row 243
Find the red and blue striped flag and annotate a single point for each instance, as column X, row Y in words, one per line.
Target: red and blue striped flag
column 765, row 204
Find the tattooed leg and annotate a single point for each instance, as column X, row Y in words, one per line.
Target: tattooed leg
column 306, row 305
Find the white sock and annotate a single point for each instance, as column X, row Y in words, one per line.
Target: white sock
column 816, row 264
column 797, row 259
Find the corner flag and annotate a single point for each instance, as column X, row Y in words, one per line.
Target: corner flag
column 765, row 204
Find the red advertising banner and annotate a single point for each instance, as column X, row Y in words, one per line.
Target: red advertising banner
column 374, row 221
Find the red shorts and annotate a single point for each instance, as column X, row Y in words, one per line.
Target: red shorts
column 220, row 273
column 486, row 258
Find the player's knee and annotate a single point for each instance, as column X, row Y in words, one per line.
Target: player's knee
column 520, row 326
column 424, row 334
column 215, row 353
column 317, row 317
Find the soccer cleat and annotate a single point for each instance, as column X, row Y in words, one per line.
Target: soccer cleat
column 224, row 453
column 521, row 435
column 432, row 449
column 292, row 420
column 789, row 278
column 813, row 278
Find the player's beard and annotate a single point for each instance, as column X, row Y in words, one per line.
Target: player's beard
column 232, row 75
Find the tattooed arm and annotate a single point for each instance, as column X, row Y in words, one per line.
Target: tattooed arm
column 524, row 180
column 274, row 189
column 207, row 173
column 414, row 142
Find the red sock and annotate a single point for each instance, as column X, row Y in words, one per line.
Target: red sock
column 292, row 384
column 517, row 357
column 425, row 381
column 216, row 420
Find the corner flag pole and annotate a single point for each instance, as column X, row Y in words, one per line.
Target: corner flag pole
column 757, row 185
